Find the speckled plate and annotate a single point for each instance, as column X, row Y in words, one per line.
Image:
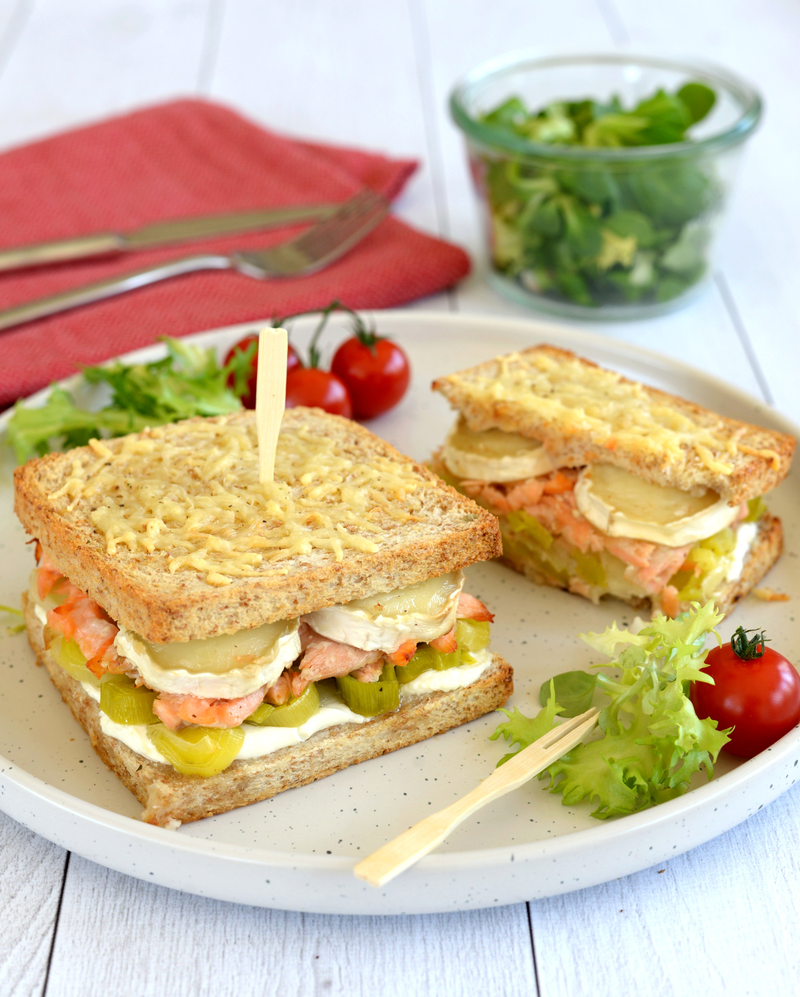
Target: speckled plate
column 297, row 851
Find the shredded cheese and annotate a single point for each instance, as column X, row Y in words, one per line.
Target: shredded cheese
column 771, row 455
column 770, row 595
column 193, row 493
column 579, row 398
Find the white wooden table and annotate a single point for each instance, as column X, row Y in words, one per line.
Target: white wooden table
column 722, row 919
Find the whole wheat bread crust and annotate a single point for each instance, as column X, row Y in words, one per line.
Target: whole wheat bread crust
column 572, row 445
column 138, row 591
column 170, row 798
column 764, row 552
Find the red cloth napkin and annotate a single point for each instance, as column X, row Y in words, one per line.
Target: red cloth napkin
column 184, row 158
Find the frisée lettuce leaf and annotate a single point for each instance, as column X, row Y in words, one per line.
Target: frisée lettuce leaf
column 526, row 730
column 652, row 740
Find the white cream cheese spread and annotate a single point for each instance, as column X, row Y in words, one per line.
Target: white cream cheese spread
column 745, row 535
column 450, row 678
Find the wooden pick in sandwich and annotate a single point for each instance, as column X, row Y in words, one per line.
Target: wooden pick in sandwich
column 410, row 846
column 270, row 398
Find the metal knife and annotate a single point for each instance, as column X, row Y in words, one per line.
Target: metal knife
column 161, row 234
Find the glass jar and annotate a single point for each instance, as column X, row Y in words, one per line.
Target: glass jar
column 600, row 232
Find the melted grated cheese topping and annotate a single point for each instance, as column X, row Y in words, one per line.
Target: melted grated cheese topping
column 566, row 392
column 195, row 495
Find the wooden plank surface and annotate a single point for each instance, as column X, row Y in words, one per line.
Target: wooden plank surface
column 86, row 59
column 31, row 874
column 127, row 930
column 720, row 919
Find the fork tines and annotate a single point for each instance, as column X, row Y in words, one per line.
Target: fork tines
column 333, row 237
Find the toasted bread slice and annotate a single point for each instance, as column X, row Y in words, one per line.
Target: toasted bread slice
column 585, row 414
column 411, row 525
column 170, row 798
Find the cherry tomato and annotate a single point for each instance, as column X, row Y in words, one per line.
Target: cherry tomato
column 376, row 372
column 249, row 398
column 318, row 389
column 756, row 691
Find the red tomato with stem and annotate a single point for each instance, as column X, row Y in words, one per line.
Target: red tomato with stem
column 318, row 389
column 756, row 691
column 375, row 370
column 251, row 371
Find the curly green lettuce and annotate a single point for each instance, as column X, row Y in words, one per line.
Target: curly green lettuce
column 526, row 730
column 652, row 740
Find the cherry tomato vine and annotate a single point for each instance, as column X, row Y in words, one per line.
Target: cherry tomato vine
column 369, row 373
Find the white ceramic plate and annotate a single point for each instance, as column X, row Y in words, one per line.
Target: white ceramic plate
column 297, row 851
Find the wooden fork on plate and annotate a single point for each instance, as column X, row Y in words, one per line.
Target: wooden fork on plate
column 410, row 846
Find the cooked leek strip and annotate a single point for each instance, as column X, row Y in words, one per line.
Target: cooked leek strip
column 756, row 507
column 590, row 569
column 443, row 661
column 522, row 522
column 67, row 653
column 125, row 703
column 473, row 635
column 703, row 560
column 368, row 699
column 203, row 751
column 428, row 658
column 260, row 714
column 423, row 661
column 293, row 714
column 526, row 550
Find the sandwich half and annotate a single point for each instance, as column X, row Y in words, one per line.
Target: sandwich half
column 604, row 486
column 221, row 640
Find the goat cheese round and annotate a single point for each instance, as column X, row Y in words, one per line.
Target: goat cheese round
column 620, row 504
column 224, row 667
column 492, row 455
column 383, row 622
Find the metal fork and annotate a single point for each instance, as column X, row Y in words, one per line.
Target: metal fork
column 313, row 250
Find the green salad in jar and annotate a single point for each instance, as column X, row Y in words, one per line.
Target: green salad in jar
column 603, row 230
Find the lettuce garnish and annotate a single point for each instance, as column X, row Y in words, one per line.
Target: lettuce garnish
column 653, row 741
column 188, row 381
column 526, row 730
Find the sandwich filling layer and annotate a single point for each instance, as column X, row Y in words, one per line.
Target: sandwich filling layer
column 260, row 741
column 253, row 692
column 601, row 530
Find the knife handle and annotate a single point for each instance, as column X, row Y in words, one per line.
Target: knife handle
column 61, row 250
